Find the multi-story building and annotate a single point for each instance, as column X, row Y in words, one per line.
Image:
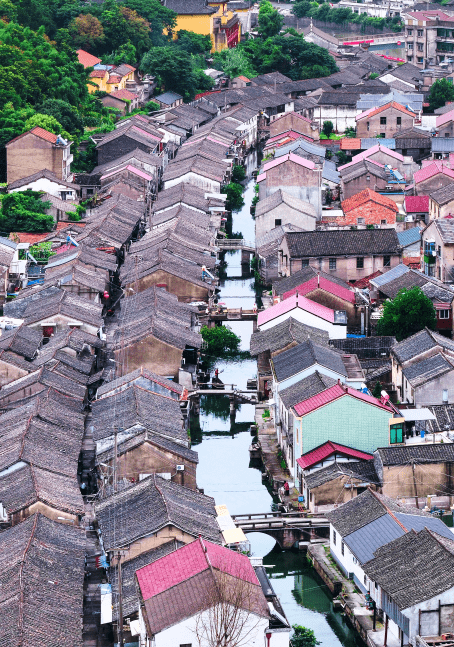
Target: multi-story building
column 429, row 37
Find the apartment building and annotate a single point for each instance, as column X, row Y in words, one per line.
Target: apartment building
column 429, row 37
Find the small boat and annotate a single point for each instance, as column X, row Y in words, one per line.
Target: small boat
column 255, row 451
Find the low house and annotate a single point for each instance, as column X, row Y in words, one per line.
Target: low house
column 281, row 208
column 423, row 369
column 197, row 170
column 348, row 255
column 337, row 106
column 86, row 59
column 441, row 202
column 442, row 148
column 415, row 472
column 169, row 99
column 217, row 575
column 35, row 150
column 417, row 209
column 307, row 312
column 368, row 208
column 402, row 167
column 414, row 599
column 156, row 332
column 343, row 415
column 267, row 251
column 407, row 75
column 293, row 174
column 294, row 122
column 445, row 124
column 123, row 100
column 34, row 555
column 384, row 121
column 48, row 182
column 414, row 142
column 285, row 335
column 437, row 242
column 322, row 288
column 127, row 138
column 356, row 177
column 434, row 175
column 361, row 526
column 162, row 511
column 333, row 474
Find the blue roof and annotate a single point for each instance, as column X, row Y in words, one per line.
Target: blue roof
column 409, row 236
column 416, row 522
column 442, row 144
column 330, row 173
column 7, row 242
column 369, row 142
column 168, row 97
column 390, row 275
column 365, row 541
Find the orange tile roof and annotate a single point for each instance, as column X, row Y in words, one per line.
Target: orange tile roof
column 391, row 104
column 350, row 144
column 25, row 237
column 98, row 74
column 86, row 59
column 244, row 78
column 114, row 78
column 371, row 212
column 366, row 196
column 414, row 262
column 123, row 94
column 44, row 134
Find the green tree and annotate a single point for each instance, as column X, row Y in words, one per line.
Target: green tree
column 440, row 92
column 25, row 211
column 238, row 173
column 44, row 121
column 159, row 17
column 350, row 132
column 220, row 341
column 8, row 11
column 301, row 9
column 377, row 390
column 193, row 43
column 327, row 128
column 234, row 63
column 303, row 637
column 409, row 312
column 270, row 20
column 65, row 114
column 234, row 196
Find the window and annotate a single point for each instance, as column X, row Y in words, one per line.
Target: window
column 383, row 135
column 368, row 178
column 444, row 314
column 396, row 434
column 409, row 32
column 367, row 124
column 409, row 58
column 360, row 263
column 277, row 222
column 420, row 59
column 332, row 263
column 399, row 121
column 382, row 121
column 186, row 645
column 410, row 45
column 420, row 47
column 343, row 548
column 446, row 134
column 334, row 537
column 404, row 151
column 386, row 261
column 365, row 580
column 439, row 251
column 360, row 221
column 305, row 262
column 383, row 222
column 420, row 32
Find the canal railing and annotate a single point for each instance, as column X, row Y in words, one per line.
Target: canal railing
column 235, row 243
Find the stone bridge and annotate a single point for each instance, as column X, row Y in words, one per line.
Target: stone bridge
column 287, row 528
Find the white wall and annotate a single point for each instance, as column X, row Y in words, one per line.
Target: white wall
column 185, row 633
column 43, row 184
column 335, row 332
column 347, row 561
column 213, row 186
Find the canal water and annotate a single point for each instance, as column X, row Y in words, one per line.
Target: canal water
column 224, row 473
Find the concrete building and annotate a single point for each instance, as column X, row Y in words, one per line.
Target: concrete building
column 281, row 208
column 384, row 121
column 437, row 241
column 35, row 150
column 429, row 37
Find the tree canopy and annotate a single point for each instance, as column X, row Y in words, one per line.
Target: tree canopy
column 270, row 20
column 221, row 341
column 409, row 312
column 440, row 92
column 25, row 211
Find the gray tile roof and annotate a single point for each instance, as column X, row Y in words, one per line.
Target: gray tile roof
column 422, row 454
column 281, row 197
column 305, row 389
column 407, row 280
column 177, row 448
column 427, row 369
column 297, row 359
column 364, row 541
column 413, row 568
column 363, row 242
column 390, row 275
column 361, row 168
column 143, row 377
column 443, row 195
column 41, row 583
column 330, row 173
column 444, row 414
column 419, row 343
column 363, row 471
column 150, row 505
column 288, row 332
column 446, row 230
column 303, row 146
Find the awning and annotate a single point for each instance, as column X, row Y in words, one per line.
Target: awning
column 442, row 306
column 231, row 534
column 412, row 415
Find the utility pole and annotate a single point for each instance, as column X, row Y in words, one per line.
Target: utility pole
column 120, row 605
column 115, row 474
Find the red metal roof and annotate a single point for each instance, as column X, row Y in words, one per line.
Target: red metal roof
column 365, row 281
column 432, row 169
column 188, row 561
column 322, row 283
column 333, row 393
column 328, row 449
column 86, row 59
column 417, row 203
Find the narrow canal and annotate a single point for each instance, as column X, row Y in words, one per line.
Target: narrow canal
column 224, row 471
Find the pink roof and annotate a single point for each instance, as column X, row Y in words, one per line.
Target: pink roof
column 131, row 168
column 430, row 170
column 328, row 449
column 375, row 149
column 334, row 393
column 443, row 119
column 290, row 157
column 295, row 301
column 145, row 132
column 324, row 284
column 261, row 177
column 416, row 203
column 188, row 561
column 429, row 15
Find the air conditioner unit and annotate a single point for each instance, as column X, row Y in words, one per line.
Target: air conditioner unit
column 180, row 468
